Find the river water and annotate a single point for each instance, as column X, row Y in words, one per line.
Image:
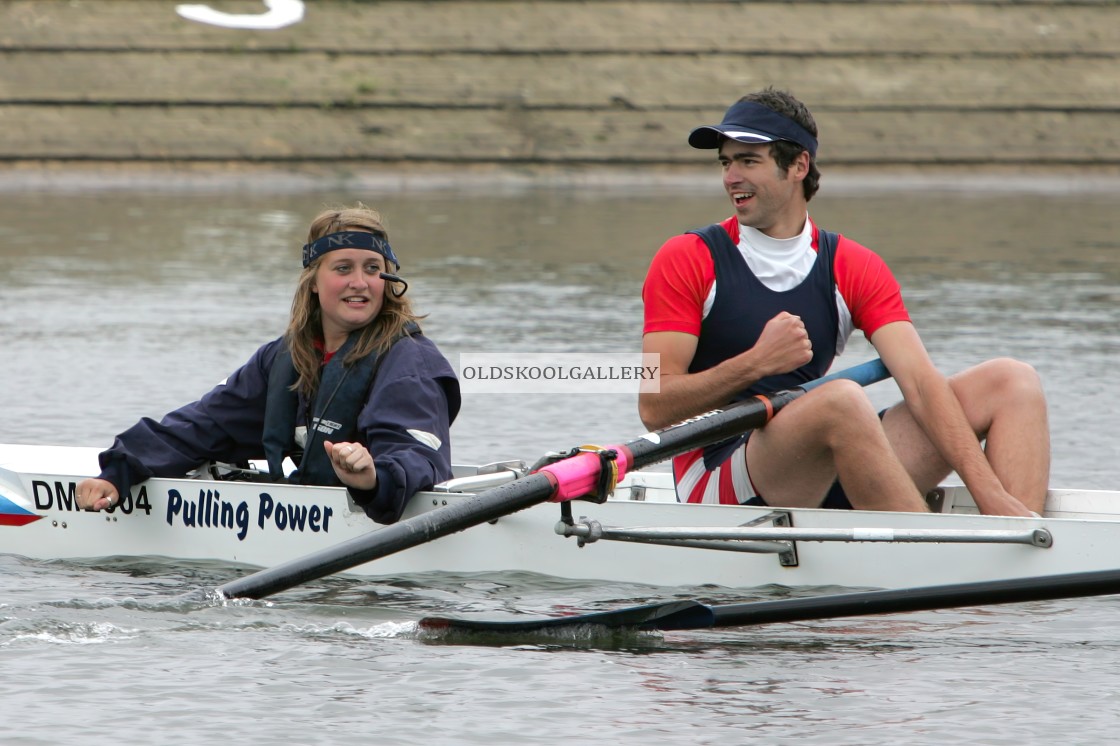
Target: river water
column 119, row 303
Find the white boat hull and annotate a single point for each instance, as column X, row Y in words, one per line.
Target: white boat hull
column 262, row 525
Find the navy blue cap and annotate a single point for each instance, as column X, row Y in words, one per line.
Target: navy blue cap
column 348, row 240
column 749, row 122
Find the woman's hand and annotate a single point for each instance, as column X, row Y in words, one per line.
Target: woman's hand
column 96, row 494
column 353, row 464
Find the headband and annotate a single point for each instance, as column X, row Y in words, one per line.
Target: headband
column 348, row 240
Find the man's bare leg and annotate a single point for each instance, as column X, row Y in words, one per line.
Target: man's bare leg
column 831, row 431
column 1005, row 405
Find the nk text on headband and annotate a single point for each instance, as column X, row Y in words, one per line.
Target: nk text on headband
column 349, row 240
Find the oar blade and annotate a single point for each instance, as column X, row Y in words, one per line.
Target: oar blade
column 685, row 615
column 665, row 616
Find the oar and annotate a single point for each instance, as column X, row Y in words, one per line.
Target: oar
column 564, row 480
column 678, row 615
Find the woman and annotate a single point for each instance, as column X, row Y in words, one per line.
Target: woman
column 353, row 392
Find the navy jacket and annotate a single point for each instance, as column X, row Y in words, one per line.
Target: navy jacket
column 415, row 389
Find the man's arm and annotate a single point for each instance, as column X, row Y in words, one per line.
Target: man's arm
column 938, row 412
column 783, row 346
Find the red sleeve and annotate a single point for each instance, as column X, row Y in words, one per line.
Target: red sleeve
column 869, row 289
column 677, row 284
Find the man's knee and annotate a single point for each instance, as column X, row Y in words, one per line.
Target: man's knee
column 1007, row 377
column 1021, row 375
column 843, row 411
column 844, row 399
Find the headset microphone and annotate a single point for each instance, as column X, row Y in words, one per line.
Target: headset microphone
column 388, row 277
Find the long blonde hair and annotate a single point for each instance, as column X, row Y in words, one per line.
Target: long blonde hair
column 305, row 327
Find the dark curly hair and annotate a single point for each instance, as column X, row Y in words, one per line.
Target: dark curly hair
column 783, row 152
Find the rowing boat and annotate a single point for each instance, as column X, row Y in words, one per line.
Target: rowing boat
column 641, row 534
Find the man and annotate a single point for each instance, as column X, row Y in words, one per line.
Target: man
column 765, row 300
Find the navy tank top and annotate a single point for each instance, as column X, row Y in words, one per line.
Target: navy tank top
column 742, row 307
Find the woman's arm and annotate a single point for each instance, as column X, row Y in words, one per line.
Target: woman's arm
column 406, row 424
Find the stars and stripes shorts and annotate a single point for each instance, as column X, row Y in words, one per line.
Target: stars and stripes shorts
column 730, row 482
column 727, row 484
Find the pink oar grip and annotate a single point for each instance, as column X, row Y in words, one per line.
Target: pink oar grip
column 579, row 475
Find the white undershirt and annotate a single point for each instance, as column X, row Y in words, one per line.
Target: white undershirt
column 779, row 263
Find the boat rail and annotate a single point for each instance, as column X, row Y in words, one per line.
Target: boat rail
column 591, row 531
column 782, row 539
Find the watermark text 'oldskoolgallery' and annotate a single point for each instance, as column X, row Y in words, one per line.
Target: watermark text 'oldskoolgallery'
column 559, row 373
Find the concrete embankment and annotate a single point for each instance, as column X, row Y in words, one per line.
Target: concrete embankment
column 558, row 84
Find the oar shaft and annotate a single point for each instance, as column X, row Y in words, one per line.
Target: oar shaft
column 485, row 506
column 537, row 488
column 737, row 419
column 1017, row 590
column 499, row 501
